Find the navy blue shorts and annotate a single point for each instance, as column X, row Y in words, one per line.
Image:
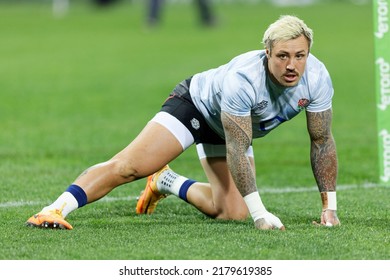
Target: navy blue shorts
column 179, row 104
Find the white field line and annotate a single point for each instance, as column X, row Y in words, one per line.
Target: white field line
column 262, row 190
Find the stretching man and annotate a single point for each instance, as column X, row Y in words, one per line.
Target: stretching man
column 223, row 110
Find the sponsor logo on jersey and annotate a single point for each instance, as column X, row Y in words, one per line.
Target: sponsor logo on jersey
column 259, row 107
column 262, row 105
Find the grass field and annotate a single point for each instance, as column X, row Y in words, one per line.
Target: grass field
column 75, row 90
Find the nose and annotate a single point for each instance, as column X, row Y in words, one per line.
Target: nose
column 290, row 65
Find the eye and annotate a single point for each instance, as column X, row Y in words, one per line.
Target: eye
column 282, row 56
column 300, row 56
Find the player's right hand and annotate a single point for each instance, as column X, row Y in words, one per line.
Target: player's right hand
column 269, row 221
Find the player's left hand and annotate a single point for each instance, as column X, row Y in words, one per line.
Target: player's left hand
column 328, row 218
column 269, row 221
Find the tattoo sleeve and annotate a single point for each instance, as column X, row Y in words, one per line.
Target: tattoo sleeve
column 238, row 133
column 323, row 155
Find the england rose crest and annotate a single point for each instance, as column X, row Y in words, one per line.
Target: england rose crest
column 303, row 103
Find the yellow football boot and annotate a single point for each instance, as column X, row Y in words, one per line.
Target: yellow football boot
column 51, row 219
column 149, row 197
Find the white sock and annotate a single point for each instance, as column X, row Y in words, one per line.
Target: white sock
column 66, row 201
column 170, row 182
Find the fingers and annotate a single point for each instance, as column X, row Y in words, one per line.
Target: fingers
column 327, row 224
column 318, row 224
column 328, row 219
column 262, row 224
column 270, row 221
column 275, row 221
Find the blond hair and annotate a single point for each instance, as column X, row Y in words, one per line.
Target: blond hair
column 286, row 28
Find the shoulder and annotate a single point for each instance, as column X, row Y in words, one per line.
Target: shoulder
column 316, row 66
column 318, row 84
column 246, row 68
column 252, row 54
column 316, row 74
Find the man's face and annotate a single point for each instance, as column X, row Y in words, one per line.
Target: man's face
column 287, row 61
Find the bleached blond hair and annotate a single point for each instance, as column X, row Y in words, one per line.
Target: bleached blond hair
column 286, row 28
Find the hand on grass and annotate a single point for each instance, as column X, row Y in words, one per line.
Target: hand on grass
column 269, row 221
column 328, row 218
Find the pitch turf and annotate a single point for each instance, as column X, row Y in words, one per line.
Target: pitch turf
column 75, row 90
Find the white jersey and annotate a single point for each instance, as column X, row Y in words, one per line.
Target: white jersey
column 242, row 88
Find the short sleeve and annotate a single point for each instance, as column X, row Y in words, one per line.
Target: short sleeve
column 237, row 95
column 322, row 93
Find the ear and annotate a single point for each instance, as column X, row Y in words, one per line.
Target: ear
column 268, row 53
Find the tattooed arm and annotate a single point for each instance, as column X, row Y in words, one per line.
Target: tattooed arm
column 323, row 157
column 238, row 133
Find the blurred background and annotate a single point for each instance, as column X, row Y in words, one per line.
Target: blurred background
column 79, row 79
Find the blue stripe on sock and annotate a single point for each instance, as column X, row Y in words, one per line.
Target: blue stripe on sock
column 79, row 194
column 184, row 189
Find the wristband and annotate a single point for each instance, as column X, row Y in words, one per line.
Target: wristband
column 329, row 200
column 255, row 205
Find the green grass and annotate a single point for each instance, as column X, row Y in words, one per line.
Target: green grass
column 76, row 90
